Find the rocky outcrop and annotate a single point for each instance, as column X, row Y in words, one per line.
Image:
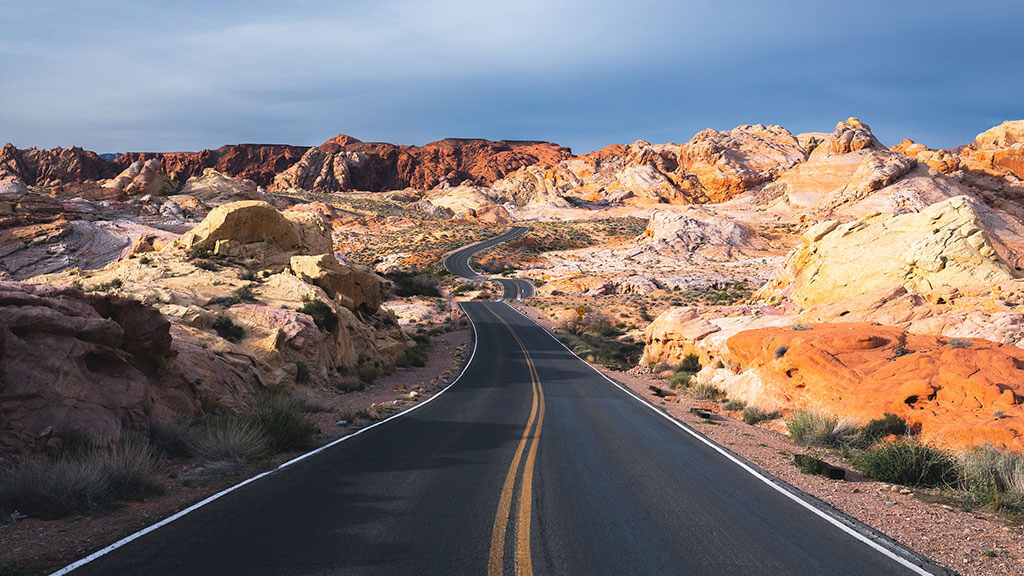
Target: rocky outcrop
column 35, row 167
column 354, row 288
column 944, row 245
column 91, row 363
column 712, row 167
column 141, row 178
column 256, row 162
column 344, row 164
column 700, row 235
column 214, row 188
column 959, row 393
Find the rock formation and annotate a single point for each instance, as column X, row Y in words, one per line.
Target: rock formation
column 256, row 162
column 700, row 235
column 960, row 393
column 943, row 246
column 344, row 164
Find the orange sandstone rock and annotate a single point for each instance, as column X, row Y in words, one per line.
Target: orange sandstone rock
column 960, row 393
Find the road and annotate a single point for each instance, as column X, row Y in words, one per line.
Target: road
column 530, row 463
column 512, row 288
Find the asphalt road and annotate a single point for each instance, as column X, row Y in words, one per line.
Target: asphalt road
column 512, row 288
column 531, row 463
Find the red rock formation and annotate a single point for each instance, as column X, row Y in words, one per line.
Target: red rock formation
column 961, row 393
column 55, row 166
column 344, row 163
column 256, row 162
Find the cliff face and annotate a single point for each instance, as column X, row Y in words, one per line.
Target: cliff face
column 344, row 163
column 256, row 162
column 36, row 167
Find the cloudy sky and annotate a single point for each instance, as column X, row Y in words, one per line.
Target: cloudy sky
column 161, row 76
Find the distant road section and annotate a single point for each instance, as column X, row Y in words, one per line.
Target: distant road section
column 512, row 288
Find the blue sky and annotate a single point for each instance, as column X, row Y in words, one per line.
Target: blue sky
column 147, row 76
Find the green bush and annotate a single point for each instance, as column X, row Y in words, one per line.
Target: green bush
column 735, row 405
column 281, row 422
column 752, row 415
column 406, row 284
column 227, row 329
column 321, row 313
column 690, row 363
column 879, row 428
column 818, row 429
column 417, row 354
column 909, row 462
column 680, row 381
column 708, row 392
column 367, row 374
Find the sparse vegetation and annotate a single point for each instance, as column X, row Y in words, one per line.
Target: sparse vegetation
column 812, row 428
column 50, row 488
column 993, row 478
column 708, row 392
column 281, row 422
column 227, row 329
column 960, row 343
column 417, row 354
column 752, row 415
column 413, row 283
column 106, row 286
column 690, row 363
column 909, row 462
column 302, row 375
column 879, row 428
column 734, row 405
column 680, row 381
column 324, row 317
column 227, row 438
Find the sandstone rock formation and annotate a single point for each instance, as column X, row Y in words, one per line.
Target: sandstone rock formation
column 92, row 363
column 344, row 164
column 214, row 188
column 712, row 167
column 960, row 393
column 944, row 245
column 141, row 178
column 35, row 167
column 700, row 235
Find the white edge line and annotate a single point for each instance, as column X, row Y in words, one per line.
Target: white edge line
column 225, row 492
column 828, row 517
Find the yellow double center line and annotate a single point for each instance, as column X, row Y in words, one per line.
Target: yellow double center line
column 523, row 560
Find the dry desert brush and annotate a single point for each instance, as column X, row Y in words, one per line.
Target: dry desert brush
column 910, row 462
column 812, row 428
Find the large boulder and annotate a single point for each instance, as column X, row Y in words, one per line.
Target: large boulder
column 944, row 245
column 353, row 288
column 215, row 188
column 91, row 363
column 700, row 235
column 141, row 178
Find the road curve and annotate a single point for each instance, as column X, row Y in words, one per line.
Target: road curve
column 531, row 463
column 512, row 288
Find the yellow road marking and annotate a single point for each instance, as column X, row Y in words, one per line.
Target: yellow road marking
column 523, row 558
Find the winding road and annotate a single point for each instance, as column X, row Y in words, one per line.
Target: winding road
column 531, row 462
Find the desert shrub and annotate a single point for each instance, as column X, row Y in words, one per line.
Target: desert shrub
column 960, row 343
column 680, row 380
column 322, row 314
column 227, row 438
column 171, row 439
column 818, row 429
column 405, row 284
column 875, row 430
column 302, row 375
column 54, row 488
column 994, row 478
column 417, row 354
column 227, row 329
column 708, row 392
column 13, row 568
column 909, row 462
column 367, row 373
column 780, row 351
column 131, row 469
column 690, row 363
column 282, row 423
column 810, row 465
column 735, row 405
column 752, row 415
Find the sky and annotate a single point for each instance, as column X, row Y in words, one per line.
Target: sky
column 119, row 76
